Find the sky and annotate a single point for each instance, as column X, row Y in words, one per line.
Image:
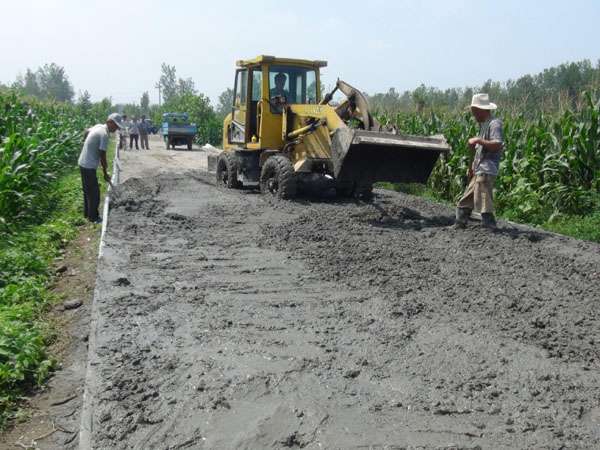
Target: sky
column 115, row 48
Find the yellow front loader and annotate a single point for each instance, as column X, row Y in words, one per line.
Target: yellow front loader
column 284, row 136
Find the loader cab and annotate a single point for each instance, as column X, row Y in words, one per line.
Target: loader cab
column 262, row 88
column 295, row 85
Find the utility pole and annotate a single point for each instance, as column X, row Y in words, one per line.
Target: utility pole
column 158, row 87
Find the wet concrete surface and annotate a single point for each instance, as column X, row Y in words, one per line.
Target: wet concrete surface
column 157, row 160
column 227, row 320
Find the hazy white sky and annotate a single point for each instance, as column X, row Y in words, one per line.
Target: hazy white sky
column 115, row 48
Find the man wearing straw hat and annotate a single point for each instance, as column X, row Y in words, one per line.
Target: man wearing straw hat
column 488, row 146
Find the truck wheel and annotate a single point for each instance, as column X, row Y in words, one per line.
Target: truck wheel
column 227, row 171
column 189, row 143
column 277, row 178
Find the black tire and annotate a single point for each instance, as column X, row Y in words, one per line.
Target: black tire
column 277, row 178
column 189, row 143
column 361, row 192
column 364, row 193
column 345, row 190
column 227, row 171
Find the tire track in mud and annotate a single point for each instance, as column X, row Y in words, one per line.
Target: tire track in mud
column 229, row 321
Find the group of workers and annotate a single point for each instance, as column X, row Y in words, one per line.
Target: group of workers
column 487, row 146
column 136, row 130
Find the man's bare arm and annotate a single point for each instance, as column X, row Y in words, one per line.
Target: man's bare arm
column 492, row 146
column 104, row 165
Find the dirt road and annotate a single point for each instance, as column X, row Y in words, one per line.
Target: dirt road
column 225, row 320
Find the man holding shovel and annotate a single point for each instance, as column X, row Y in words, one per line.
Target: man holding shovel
column 488, row 147
column 93, row 154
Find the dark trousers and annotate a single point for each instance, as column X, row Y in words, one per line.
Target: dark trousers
column 144, row 141
column 133, row 137
column 91, row 194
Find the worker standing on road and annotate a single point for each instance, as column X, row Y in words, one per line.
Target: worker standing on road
column 123, row 135
column 144, row 129
column 134, row 131
column 488, row 147
column 92, row 154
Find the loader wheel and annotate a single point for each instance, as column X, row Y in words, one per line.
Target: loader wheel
column 361, row 192
column 277, row 177
column 364, row 193
column 345, row 190
column 227, row 171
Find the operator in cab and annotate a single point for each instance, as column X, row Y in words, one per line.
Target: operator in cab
column 279, row 89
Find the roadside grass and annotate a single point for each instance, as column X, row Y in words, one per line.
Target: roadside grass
column 580, row 227
column 420, row 190
column 27, row 270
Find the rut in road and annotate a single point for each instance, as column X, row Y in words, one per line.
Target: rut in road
column 230, row 321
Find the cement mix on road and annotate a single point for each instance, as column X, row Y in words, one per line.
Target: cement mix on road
column 227, row 320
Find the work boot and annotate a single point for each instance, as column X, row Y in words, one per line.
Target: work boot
column 462, row 217
column 488, row 221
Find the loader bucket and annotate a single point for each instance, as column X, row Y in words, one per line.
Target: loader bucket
column 370, row 156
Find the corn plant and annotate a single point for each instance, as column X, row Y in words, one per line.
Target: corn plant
column 37, row 142
column 550, row 165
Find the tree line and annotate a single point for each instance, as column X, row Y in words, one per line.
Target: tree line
column 557, row 88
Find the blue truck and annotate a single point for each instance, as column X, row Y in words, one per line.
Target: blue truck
column 177, row 130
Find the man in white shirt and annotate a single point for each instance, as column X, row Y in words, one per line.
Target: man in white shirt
column 93, row 154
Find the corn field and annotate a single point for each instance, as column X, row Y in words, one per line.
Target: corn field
column 39, row 146
column 550, row 166
column 37, row 142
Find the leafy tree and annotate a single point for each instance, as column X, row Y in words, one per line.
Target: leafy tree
column 84, row 102
column 186, row 87
column 129, row 109
column 145, row 103
column 556, row 88
column 419, row 96
column 225, row 103
column 101, row 109
column 168, row 82
column 49, row 82
column 54, row 83
column 181, row 95
column 29, row 84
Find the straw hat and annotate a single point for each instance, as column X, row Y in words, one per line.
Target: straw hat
column 482, row 101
